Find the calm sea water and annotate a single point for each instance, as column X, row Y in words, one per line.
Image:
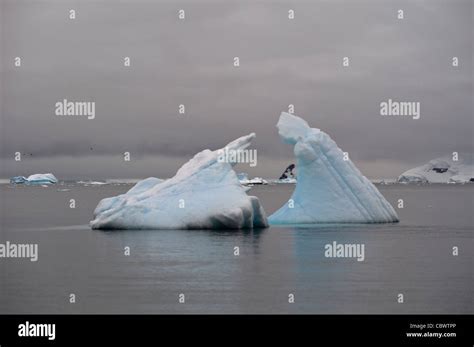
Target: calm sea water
column 413, row 257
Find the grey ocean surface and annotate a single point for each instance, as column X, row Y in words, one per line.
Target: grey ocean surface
column 413, row 257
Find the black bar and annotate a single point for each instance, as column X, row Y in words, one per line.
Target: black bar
column 311, row 330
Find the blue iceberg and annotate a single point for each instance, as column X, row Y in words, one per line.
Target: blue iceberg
column 36, row 179
column 329, row 189
column 18, row 180
column 205, row 193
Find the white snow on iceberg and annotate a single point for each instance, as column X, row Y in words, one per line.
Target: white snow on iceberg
column 205, row 193
column 36, row 179
column 441, row 170
column 329, row 189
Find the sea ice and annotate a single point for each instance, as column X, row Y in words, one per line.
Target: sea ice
column 91, row 183
column 329, row 188
column 205, row 193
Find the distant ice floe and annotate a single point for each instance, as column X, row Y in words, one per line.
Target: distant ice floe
column 91, row 183
column 287, row 180
column 329, row 189
column 441, row 170
column 119, row 181
column 246, row 181
column 384, row 181
column 205, row 193
column 36, row 179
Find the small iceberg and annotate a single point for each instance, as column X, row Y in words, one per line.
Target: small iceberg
column 258, row 180
column 442, row 170
column 288, row 173
column 18, row 180
column 288, row 176
column 205, row 193
column 36, row 179
column 329, row 189
column 246, row 181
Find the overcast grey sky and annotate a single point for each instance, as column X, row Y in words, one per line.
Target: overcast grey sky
column 190, row 62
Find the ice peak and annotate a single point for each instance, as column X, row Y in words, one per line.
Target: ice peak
column 292, row 128
column 240, row 143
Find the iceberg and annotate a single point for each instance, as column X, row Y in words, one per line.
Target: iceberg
column 288, row 176
column 257, row 180
column 109, row 204
column 205, row 193
column 36, row 179
column 288, row 173
column 18, row 180
column 246, row 181
column 41, row 179
column 441, row 170
column 243, row 177
column 329, row 189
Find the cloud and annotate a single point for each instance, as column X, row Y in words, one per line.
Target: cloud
column 190, row 62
